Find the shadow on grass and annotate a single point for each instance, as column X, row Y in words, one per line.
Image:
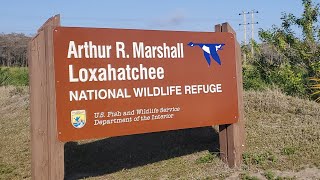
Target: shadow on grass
column 114, row 154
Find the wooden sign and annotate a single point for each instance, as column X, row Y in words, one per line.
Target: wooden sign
column 112, row 82
column 91, row 83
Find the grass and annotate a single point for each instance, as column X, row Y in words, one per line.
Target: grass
column 282, row 139
column 14, row 134
column 285, row 126
column 14, row 76
column 259, row 158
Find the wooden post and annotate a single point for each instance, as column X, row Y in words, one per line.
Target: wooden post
column 232, row 136
column 46, row 151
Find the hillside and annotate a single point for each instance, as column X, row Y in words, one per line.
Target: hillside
column 283, row 140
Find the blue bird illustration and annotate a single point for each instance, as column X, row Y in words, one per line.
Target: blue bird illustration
column 209, row 49
column 77, row 118
column 79, row 122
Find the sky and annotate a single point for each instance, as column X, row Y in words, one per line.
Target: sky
column 22, row 16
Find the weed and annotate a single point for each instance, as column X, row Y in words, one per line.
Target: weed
column 246, row 157
column 246, row 176
column 269, row 175
column 258, row 159
column 288, row 151
column 273, row 158
column 207, row 158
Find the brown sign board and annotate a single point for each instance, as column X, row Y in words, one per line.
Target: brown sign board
column 113, row 82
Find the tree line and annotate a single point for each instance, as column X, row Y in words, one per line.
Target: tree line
column 13, row 49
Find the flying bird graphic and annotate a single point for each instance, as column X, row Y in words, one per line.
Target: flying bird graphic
column 209, row 49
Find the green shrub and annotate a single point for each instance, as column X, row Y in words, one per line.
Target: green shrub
column 4, row 76
column 290, row 81
column 15, row 76
column 19, row 76
column 252, row 79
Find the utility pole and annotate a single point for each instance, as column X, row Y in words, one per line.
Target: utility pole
column 244, row 24
column 252, row 30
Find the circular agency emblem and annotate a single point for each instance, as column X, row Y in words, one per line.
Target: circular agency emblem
column 78, row 118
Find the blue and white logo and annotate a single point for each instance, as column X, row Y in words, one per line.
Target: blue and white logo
column 78, row 118
column 209, row 49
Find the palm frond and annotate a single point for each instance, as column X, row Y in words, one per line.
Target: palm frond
column 316, row 87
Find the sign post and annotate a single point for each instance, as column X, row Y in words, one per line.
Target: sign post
column 47, row 152
column 232, row 136
column 91, row 83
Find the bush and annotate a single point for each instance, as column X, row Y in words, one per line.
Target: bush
column 17, row 76
column 252, row 79
column 289, row 81
column 4, row 76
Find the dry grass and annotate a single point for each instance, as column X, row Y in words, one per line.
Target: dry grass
column 14, row 134
column 284, row 128
column 282, row 137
